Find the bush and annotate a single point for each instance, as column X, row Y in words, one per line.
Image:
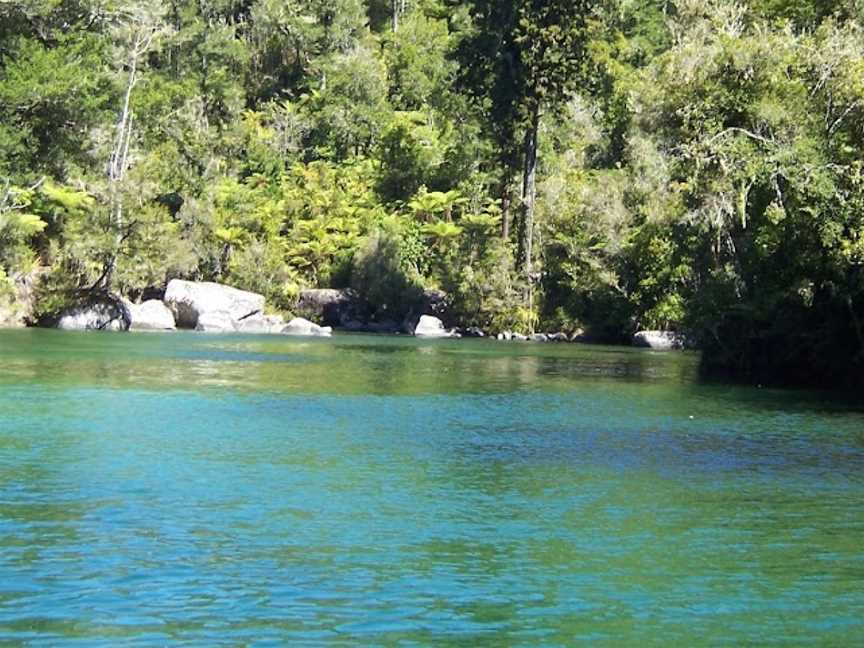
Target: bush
column 381, row 276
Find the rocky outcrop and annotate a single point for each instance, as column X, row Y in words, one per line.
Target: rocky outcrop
column 261, row 324
column 152, row 315
column 190, row 300
column 432, row 327
column 215, row 322
column 431, row 303
column 510, row 335
column 17, row 299
column 660, row 340
column 331, row 306
column 257, row 324
column 303, row 327
column 99, row 313
column 11, row 315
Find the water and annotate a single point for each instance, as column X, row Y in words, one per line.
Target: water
column 209, row 490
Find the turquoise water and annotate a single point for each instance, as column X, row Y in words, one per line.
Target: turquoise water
column 208, row 490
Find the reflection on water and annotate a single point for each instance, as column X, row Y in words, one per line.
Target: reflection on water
column 160, row 489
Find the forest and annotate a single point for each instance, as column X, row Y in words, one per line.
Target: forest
column 574, row 165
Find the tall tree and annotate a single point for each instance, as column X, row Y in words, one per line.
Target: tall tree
column 138, row 27
column 522, row 58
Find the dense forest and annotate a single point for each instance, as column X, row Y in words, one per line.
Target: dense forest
column 609, row 166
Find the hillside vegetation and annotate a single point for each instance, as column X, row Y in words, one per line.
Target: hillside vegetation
column 691, row 165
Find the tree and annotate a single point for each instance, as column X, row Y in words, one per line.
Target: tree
column 521, row 58
column 138, row 26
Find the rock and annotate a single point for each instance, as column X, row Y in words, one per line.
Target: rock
column 330, row 306
column 539, row 337
column 474, row 332
column 10, row 313
column 505, row 336
column 518, row 337
column 557, row 337
column 152, row 315
column 215, row 322
column 261, row 324
column 431, row 302
column 189, row 300
column 300, row 326
column 432, row 327
column 579, row 335
column 660, row 340
column 17, row 300
column 100, row 313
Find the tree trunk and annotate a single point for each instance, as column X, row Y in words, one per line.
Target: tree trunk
column 119, row 161
column 117, row 170
column 506, row 208
column 529, row 193
column 394, row 5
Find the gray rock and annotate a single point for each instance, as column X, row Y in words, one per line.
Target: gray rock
column 189, row 300
column 333, row 307
column 152, row 315
column 557, row 337
column 17, row 300
column 215, row 322
column 431, row 302
column 539, row 337
column 300, row 326
column 505, row 336
column 474, row 331
column 518, row 337
column 10, row 312
column 97, row 314
column 261, row 324
column 660, row 340
column 432, row 327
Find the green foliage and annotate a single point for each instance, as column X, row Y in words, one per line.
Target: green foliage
column 50, row 94
column 381, row 274
column 697, row 161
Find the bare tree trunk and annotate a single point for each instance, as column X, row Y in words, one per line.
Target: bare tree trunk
column 119, row 161
column 529, row 193
column 529, row 196
column 397, row 8
column 506, row 208
column 116, row 172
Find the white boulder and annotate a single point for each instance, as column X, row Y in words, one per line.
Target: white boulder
column 215, row 322
column 660, row 340
column 189, row 300
column 432, row 327
column 260, row 323
column 152, row 315
column 300, row 326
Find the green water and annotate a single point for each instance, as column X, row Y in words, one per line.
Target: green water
column 207, row 490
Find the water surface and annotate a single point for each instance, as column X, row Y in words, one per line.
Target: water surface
column 228, row 490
